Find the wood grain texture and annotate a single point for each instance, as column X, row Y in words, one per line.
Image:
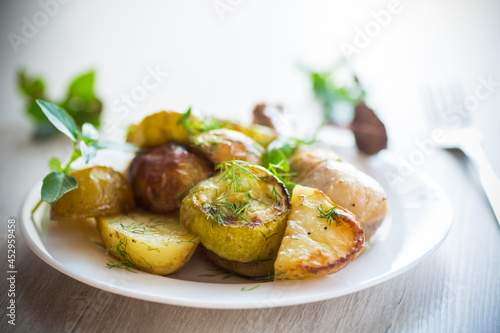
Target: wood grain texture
column 456, row 289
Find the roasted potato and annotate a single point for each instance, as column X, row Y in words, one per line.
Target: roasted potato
column 240, row 214
column 343, row 183
column 101, row 191
column 320, row 238
column 162, row 176
column 157, row 129
column 157, row 244
column 263, row 135
column 272, row 116
column 222, row 145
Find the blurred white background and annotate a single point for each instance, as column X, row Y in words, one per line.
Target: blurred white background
column 225, row 56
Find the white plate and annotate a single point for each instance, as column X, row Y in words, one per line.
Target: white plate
column 420, row 217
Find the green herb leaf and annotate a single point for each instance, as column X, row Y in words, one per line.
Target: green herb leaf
column 55, row 164
column 83, row 87
column 59, row 118
column 56, row 184
column 32, row 87
column 88, row 151
column 89, row 133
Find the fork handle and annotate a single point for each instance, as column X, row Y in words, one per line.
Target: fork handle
column 487, row 177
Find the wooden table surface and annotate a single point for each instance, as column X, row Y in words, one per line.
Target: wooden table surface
column 228, row 65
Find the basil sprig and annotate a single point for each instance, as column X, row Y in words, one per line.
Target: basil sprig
column 85, row 145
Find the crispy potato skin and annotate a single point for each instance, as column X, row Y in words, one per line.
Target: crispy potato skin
column 154, row 243
column 223, row 145
column 101, row 191
column 162, row 176
column 312, row 244
column 343, row 183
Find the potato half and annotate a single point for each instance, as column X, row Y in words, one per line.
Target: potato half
column 101, row 191
column 320, row 238
column 223, row 145
column 240, row 214
column 343, row 183
column 157, row 129
column 157, row 244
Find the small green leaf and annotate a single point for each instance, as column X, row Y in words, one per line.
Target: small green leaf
column 279, row 151
column 83, row 87
column 55, row 185
column 89, row 133
column 32, row 87
column 60, row 119
column 88, row 151
column 55, row 164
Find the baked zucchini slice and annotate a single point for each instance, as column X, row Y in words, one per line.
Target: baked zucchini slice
column 240, row 214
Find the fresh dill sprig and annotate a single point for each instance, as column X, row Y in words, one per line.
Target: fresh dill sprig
column 222, row 210
column 248, row 195
column 239, row 177
column 119, row 264
column 266, row 237
column 120, row 251
column 331, row 215
column 139, row 228
column 253, row 288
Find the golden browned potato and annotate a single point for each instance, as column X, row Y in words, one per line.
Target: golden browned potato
column 263, row 135
column 101, row 191
column 223, row 145
column 320, row 238
column 157, row 244
column 157, row 129
column 343, row 183
column 162, row 176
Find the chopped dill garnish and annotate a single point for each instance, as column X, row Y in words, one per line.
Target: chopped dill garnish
column 119, row 264
column 120, row 251
column 260, row 260
column 255, row 199
column 239, row 177
column 188, row 241
column 331, row 215
column 254, row 287
column 151, row 248
column 275, row 195
column 139, row 228
column 263, row 234
column 179, row 195
column 222, row 210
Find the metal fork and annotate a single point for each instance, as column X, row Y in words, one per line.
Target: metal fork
column 449, row 114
